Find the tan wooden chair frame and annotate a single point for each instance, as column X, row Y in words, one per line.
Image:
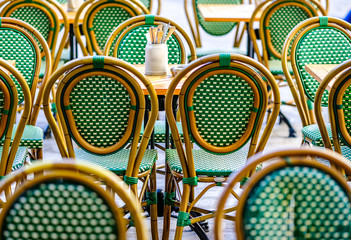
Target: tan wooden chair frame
column 85, row 174
column 64, row 141
column 124, row 28
column 296, row 87
column 8, row 155
column 298, row 156
column 185, row 155
column 134, row 7
column 51, row 8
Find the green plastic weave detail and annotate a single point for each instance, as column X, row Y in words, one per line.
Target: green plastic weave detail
column 60, row 210
column 130, row 180
column 190, row 181
column 32, row 137
column 15, row 46
column 183, row 219
column 346, row 102
column 151, row 198
column 100, row 107
column 299, row 203
column 132, row 47
column 62, row 1
column 169, row 198
column 323, row 21
column 146, row 3
column 282, row 21
column 224, row 59
column 36, row 18
column 320, row 46
column 105, row 21
column 222, row 107
column 215, row 28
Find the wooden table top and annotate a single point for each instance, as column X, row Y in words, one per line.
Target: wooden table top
column 319, row 71
column 70, row 15
column 228, row 12
column 160, row 83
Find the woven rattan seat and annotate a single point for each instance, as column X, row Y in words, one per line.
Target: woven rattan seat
column 32, row 137
column 20, row 158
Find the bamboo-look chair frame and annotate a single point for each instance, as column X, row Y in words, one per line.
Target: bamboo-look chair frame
column 297, row 156
column 185, row 156
column 158, row 11
column 267, row 8
column 51, row 8
column 123, row 29
column 8, row 155
column 296, row 87
column 88, row 8
column 341, row 73
column 29, row 32
column 195, row 30
column 64, row 141
column 82, row 173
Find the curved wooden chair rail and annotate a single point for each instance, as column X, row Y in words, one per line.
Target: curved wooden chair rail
column 197, row 72
column 282, row 158
column 126, row 27
column 50, row 10
column 76, row 173
column 8, row 156
column 90, row 9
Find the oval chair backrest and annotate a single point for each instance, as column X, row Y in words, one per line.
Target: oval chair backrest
column 278, row 19
column 321, row 43
column 56, row 208
column 17, row 45
column 101, row 18
column 223, row 104
column 39, row 14
column 101, row 106
column 297, row 202
column 213, row 28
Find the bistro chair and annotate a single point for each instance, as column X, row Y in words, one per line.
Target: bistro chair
column 130, row 46
column 101, row 17
column 212, row 28
column 319, row 40
column 15, row 156
column 66, row 200
column 222, row 104
column 18, row 45
column 338, row 108
column 44, row 17
column 293, row 197
column 101, row 105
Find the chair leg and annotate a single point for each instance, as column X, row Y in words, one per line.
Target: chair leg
column 183, row 208
column 153, row 207
column 39, row 154
column 167, row 208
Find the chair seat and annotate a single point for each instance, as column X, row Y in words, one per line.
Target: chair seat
column 117, row 162
column 20, row 158
column 160, row 131
column 275, row 66
column 32, row 137
column 312, row 134
column 201, row 52
column 210, row 164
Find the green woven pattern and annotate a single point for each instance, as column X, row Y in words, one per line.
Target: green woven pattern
column 20, row 158
column 222, row 106
column 312, row 132
column 282, row 21
column 297, row 203
column 32, row 137
column 320, row 46
column 275, row 66
column 60, row 210
column 100, row 107
column 210, row 164
column 132, row 47
column 1, row 110
column 105, row 21
column 346, row 152
column 160, row 131
column 346, row 103
column 215, row 28
column 35, row 17
column 117, row 162
column 146, row 3
column 62, row 1
column 15, row 46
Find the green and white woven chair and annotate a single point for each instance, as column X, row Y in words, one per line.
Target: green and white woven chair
column 222, row 104
column 65, row 200
column 130, row 46
column 44, row 17
column 339, row 110
column 212, row 28
column 101, row 17
column 293, row 197
column 12, row 156
column 319, row 40
column 19, row 46
column 101, row 107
